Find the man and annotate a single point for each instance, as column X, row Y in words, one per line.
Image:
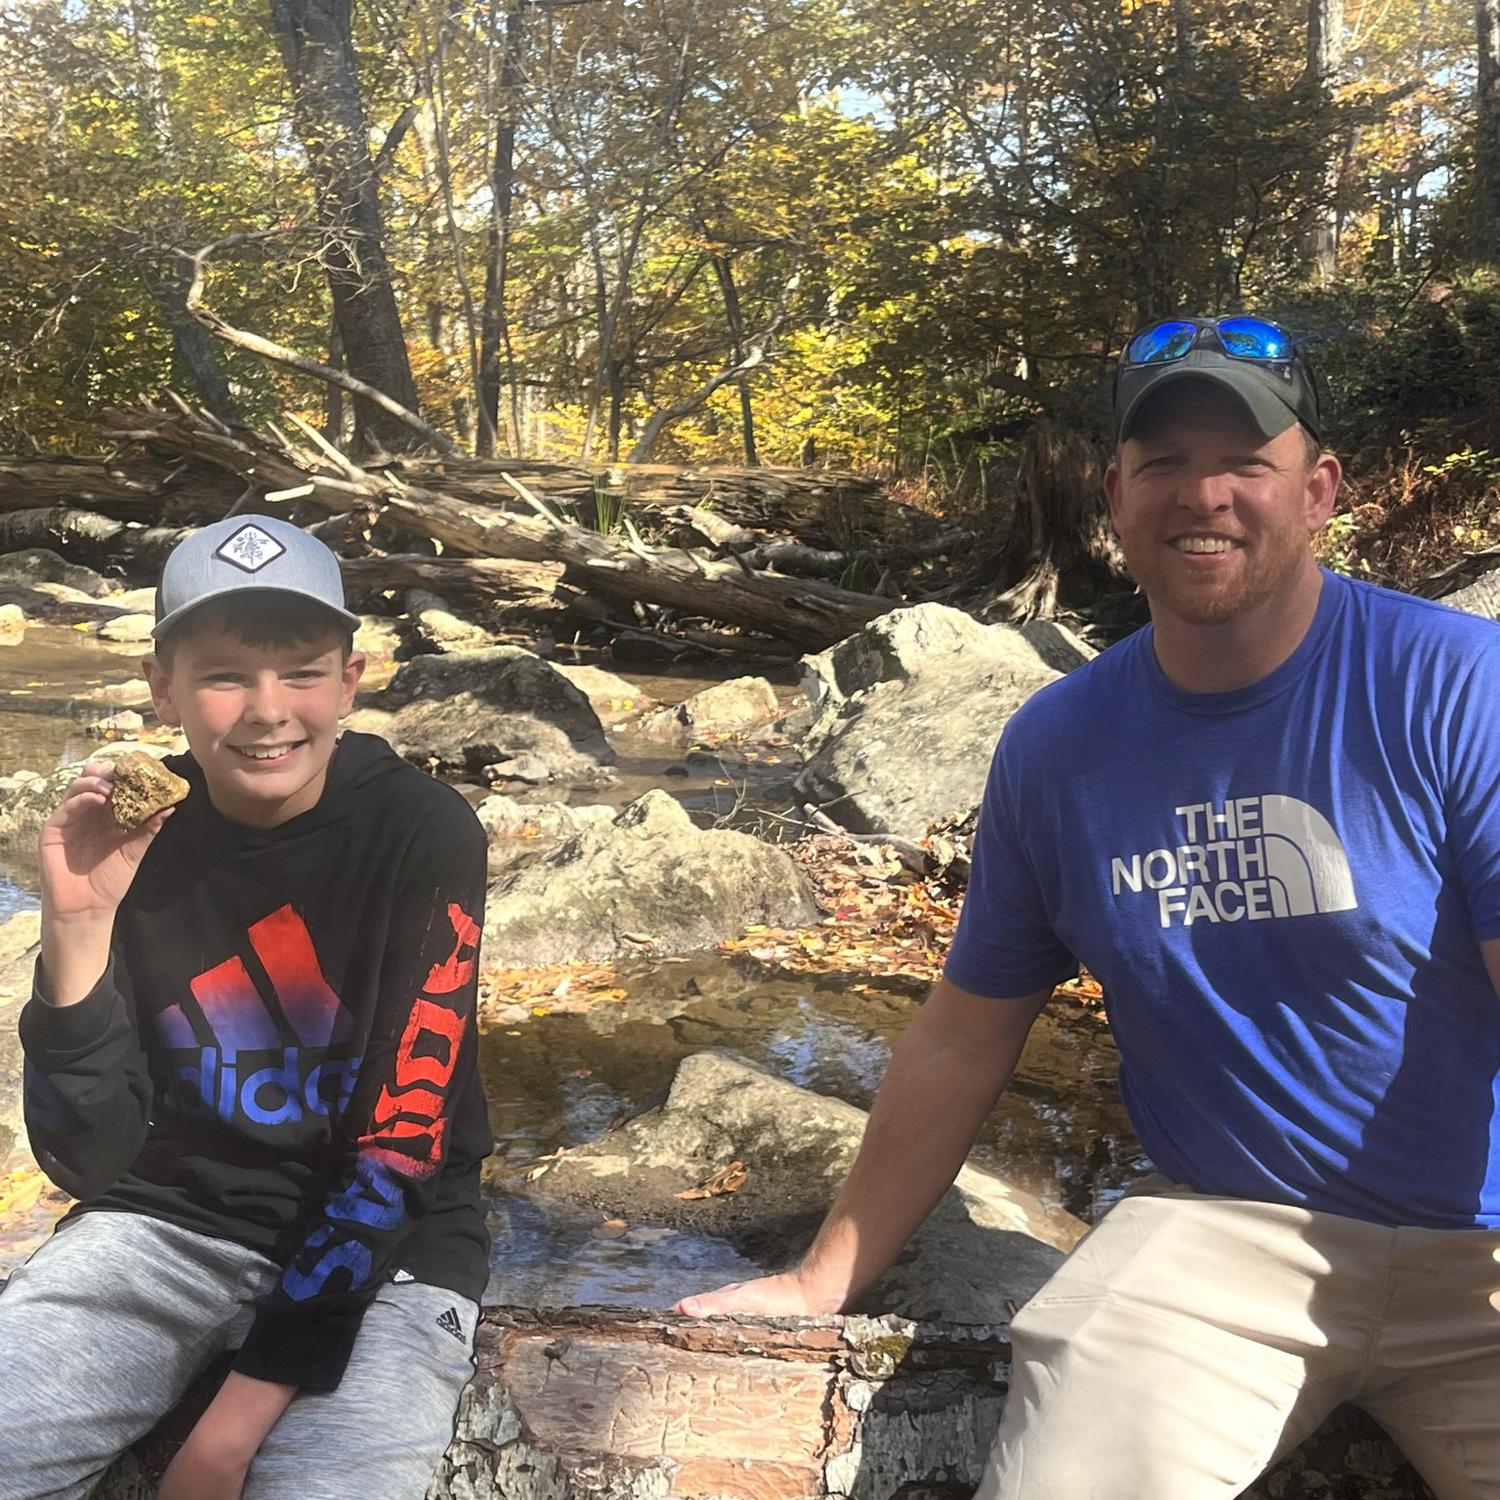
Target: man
column 1281, row 857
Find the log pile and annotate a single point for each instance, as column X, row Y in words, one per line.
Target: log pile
column 752, row 560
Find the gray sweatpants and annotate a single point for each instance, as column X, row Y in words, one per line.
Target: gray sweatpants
column 107, row 1325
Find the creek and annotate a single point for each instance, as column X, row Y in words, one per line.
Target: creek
column 556, row 1080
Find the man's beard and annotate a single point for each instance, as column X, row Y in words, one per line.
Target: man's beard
column 1265, row 572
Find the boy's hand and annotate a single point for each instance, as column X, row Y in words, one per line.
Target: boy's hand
column 213, row 1462
column 784, row 1296
column 87, row 864
column 87, row 859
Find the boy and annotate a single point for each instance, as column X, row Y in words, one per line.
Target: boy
column 251, row 1057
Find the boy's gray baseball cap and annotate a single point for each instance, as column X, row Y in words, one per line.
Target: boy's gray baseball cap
column 248, row 552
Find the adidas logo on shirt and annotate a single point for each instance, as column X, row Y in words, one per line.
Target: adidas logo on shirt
column 448, row 1322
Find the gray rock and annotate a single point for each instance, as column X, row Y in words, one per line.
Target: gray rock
column 986, row 1244
column 733, row 707
column 521, row 830
column 649, row 879
column 905, row 716
column 1480, row 598
column 37, row 565
column 1057, row 645
column 12, row 625
column 135, row 601
column 481, row 708
column 612, row 697
column 130, row 630
column 135, row 693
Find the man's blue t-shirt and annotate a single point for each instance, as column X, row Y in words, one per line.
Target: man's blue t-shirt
column 1282, row 890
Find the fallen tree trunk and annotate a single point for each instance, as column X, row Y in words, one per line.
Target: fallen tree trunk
column 465, row 577
column 132, row 489
column 808, row 612
column 83, row 536
column 584, row 1403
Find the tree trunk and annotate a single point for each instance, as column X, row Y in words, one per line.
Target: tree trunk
column 607, row 1404
column 1325, row 54
column 318, row 50
column 1062, row 550
column 191, row 342
column 1487, row 135
column 724, row 271
column 494, row 322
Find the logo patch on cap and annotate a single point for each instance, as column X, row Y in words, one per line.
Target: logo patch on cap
column 250, row 549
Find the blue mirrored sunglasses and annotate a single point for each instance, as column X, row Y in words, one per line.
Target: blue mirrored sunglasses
column 1239, row 338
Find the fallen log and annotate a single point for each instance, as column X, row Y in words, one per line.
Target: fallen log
column 126, row 489
column 588, row 1402
column 810, row 613
column 487, row 578
column 99, row 542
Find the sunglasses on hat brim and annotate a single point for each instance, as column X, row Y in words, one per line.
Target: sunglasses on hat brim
column 1253, row 342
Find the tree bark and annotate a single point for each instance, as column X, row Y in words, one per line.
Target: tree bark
column 1325, row 55
column 494, row 321
column 1487, row 134
column 1061, row 550
column 589, row 1403
column 317, row 48
column 191, row 342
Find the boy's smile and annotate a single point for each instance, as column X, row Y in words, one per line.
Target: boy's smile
column 261, row 720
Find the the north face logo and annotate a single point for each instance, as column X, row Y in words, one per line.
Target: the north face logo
column 251, row 548
column 1250, row 859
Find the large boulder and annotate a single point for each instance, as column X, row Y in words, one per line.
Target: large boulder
column 471, row 710
column 523, row 830
column 986, row 1246
column 648, row 879
column 905, row 715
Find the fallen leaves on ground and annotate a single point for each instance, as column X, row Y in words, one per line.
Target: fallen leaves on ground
column 507, row 995
column 728, row 1179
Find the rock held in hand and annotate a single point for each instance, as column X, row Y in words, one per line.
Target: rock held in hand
column 143, row 786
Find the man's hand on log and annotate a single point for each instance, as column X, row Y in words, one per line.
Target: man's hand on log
column 784, row 1296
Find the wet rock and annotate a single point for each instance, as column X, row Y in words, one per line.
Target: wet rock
column 34, row 566
column 613, row 698
column 12, row 625
column 142, row 788
column 29, row 805
column 648, row 879
column 376, row 638
column 733, row 707
column 986, row 1244
column 1479, row 598
column 905, row 716
column 130, row 629
column 485, row 708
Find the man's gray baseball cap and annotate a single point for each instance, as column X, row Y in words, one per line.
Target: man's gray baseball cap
column 1275, row 392
column 248, row 552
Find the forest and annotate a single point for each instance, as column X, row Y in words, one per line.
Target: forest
column 895, row 237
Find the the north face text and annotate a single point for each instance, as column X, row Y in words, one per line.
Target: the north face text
column 1246, row 859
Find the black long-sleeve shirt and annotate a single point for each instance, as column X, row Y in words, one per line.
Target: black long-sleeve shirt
column 282, row 1051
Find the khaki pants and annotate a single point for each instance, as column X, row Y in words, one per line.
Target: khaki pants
column 1189, row 1341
